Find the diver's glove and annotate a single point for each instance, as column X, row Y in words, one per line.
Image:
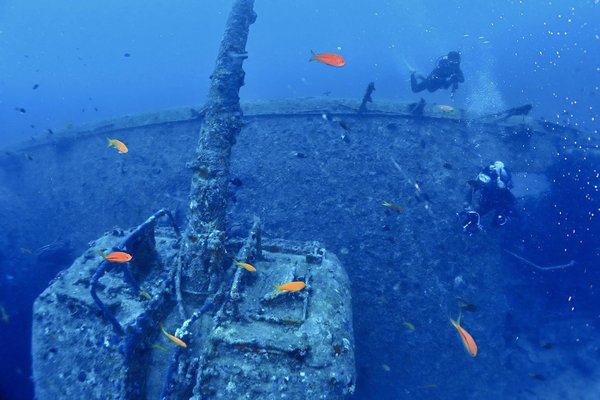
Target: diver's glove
column 470, row 221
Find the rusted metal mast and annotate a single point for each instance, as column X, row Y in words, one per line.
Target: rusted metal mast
column 202, row 248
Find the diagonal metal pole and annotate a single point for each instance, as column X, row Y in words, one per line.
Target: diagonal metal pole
column 202, row 250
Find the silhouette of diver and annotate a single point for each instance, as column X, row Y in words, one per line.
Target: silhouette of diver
column 447, row 73
column 493, row 184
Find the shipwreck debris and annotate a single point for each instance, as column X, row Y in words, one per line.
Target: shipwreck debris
column 367, row 98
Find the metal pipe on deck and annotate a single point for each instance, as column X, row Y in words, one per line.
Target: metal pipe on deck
column 203, row 248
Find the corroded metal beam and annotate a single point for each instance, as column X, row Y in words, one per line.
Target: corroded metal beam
column 202, row 248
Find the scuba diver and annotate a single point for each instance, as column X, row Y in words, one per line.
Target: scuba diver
column 493, row 185
column 447, row 73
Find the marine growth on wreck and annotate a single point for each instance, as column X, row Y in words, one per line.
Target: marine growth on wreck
column 333, row 246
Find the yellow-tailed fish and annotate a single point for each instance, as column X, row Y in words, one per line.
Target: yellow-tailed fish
column 117, row 144
column 159, row 347
column 409, row 325
column 446, row 108
column 145, row 294
column 393, row 206
column 246, row 266
column 172, row 338
column 4, row 315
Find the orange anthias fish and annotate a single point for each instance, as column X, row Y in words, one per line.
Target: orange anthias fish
column 246, row 266
column 172, row 338
column 289, row 287
column 117, row 144
column 467, row 339
column 335, row 60
column 116, row 256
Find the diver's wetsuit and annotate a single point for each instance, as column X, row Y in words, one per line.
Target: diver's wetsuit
column 494, row 186
column 446, row 74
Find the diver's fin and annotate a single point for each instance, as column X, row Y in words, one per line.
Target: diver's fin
column 410, row 68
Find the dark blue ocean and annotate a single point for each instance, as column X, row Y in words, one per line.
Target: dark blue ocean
column 63, row 64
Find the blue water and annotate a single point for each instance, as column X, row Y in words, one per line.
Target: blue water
column 66, row 63
column 514, row 52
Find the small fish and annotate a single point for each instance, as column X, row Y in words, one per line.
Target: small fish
column 409, row 325
column 446, row 108
column 36, row 86
column 50, row 131
column 117, row 144
column 467, row 339
column 69, row 125
column 246, row 266
column 393, row 206
column 145, row 294
column 126, row 55
column 159, row 347
column 28, row 156
column 236, row 182
column 447, row 165
column 26, row 251
column 547, row 346
column 4, row 316
column 466, row 306
column 172, row 338
column 335, row 60
column 289, row 287
column 537, row 376
column 21, row 110
column 116, row 256
column 386, row 367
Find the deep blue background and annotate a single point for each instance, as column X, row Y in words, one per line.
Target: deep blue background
column 514, row 52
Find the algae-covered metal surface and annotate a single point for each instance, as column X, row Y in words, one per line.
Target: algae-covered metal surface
column 296, row 172
column 285, row 345
column 76, row 351
column 263, row 345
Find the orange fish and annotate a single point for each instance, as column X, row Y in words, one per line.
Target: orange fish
column 467, row 339
column 289, row 287
column 116, row 256
column 246, row 266
column 117, row 144
column 335, row 60
column 172, row 338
